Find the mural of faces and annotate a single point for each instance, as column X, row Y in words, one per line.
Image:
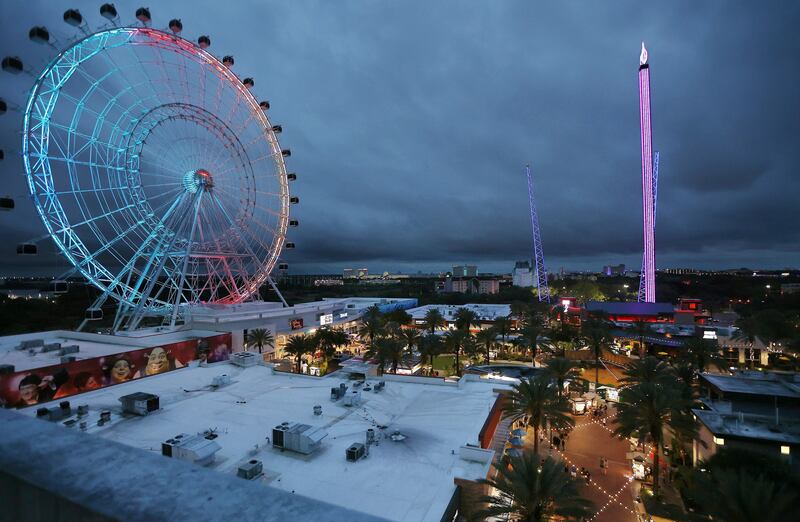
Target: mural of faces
column 27, row 388
column 157, row 362
column 121, row 371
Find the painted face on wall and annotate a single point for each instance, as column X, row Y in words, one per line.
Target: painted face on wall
column 29, row 393
column 121, row 371
column 157, row 362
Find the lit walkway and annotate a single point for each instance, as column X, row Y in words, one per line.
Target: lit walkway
column 611, row 493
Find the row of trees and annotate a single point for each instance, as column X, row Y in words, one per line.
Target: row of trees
column 656, row 401
column 326, row 340
column 390, row 338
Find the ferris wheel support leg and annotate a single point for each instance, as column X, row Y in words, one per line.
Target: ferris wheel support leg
column 179, row 292
column 280, row 295
column 139, row 312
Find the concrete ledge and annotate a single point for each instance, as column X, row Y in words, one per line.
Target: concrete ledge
column 52, row 473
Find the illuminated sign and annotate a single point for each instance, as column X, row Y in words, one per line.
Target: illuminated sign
column 296, row 324
column 325, row 319
column 342, row 315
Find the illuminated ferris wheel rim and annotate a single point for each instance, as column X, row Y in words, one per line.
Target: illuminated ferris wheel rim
column 39, row 172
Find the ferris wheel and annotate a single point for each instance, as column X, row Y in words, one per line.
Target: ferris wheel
column 155, row 170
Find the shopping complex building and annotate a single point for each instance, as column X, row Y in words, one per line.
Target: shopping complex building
column 390, row 448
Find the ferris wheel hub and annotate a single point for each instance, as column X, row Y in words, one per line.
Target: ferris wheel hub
column 198, row 179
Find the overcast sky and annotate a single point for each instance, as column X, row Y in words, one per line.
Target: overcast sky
column 410, row 124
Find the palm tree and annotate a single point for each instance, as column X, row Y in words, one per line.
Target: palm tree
column 520, row 311
column 530, row 334
column 561, row 369
column 399, row 316
column 411, row 337
column 429, row 347
column 737, row 496
column 531, row 490
column 372, row 313
column 702, row 353
column 502, row 326
column 488, row 339
column 647, row 370
column 454, row 341
column 329, row 339
column 371, row 327
column 647, row 408
column 261, row 337
column 465, row 319
column 641, row 329
column 385, row 349
column 299, row 345
column 535, row 400
column 395, row 350
column 434, row 320
column 595, row 332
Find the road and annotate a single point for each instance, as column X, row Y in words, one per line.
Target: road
column 611, row 493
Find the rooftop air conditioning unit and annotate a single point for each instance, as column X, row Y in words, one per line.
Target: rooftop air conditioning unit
column 221, row 380
column 294, row 436
column 354, row 452
column 191, row 448
column 244, row 359
column 139, row 403
column 250, row 469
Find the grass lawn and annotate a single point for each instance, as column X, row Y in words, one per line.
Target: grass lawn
column 444, row 362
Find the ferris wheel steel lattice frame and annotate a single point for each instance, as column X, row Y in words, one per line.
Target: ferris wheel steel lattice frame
column 214, row 233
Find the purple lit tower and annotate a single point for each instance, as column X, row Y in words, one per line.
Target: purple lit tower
column 648, row 202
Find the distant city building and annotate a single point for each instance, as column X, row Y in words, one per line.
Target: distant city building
column 471, row 285
column 522, row 275
column 349, row 273
column 790, row 288
column 614, row 270
column 465, row 271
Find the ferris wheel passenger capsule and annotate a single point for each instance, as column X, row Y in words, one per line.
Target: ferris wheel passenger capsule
column 294, row 223
column 39, row 35
column 249, row 83
column 294, row 200
column 6, row 204
column 264, row 105
column 11, row 64
column 2, row 154
column 283, row 266
column 291, row 176
column 286, row 153
column 289, row 245
column 27, row 249
column 73, row 17
column 277, row 129
column 143, row 15
column 204, row 42
column 227, row 61
column 175, row 26
column 3, row 106
column 108, row 11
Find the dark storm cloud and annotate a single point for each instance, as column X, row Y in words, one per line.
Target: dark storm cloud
column 410, row 124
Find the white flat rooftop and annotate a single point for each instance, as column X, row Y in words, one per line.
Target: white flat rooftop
column 90, row 344
column 411, row 480
column 485, row 312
